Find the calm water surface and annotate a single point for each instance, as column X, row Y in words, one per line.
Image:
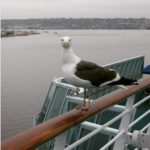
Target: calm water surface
column 30, row 63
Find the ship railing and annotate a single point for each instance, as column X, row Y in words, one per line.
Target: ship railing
column 47, row 130
column 60, row 99
column 122, row 137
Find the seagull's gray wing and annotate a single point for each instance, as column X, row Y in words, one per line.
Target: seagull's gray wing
column 94, row 73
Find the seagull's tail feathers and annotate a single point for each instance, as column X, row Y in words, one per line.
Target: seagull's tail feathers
column 125, row 81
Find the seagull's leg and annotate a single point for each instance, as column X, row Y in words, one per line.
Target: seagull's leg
column 89, row 95
column 84, row 98
column 84, row 106
column 84, row 101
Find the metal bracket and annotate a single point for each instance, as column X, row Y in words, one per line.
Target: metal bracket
column 140, row 140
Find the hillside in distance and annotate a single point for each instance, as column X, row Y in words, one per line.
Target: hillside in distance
column 81, row 23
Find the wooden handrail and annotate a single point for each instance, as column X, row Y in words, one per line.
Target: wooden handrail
column 39, row 134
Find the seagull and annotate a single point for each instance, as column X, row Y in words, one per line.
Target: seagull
column 85, row 74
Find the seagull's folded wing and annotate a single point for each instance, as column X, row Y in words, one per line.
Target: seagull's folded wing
column 92, row 72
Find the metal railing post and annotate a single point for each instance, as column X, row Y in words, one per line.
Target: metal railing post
column 124, row 125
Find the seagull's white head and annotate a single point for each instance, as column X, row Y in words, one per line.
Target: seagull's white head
column 66, row 42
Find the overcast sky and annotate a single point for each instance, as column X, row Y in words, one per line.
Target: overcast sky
column 74, row 8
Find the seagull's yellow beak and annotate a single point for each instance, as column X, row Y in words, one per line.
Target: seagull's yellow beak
column 66, row 43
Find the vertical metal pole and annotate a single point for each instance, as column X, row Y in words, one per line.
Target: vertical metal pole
column 125, row 121
column 148, row 130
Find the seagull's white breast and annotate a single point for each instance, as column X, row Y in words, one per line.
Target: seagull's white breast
column 70, row 61
column 71, row 78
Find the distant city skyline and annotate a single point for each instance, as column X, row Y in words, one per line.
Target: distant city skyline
column 17, row 9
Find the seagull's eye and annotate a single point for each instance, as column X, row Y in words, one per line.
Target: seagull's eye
column 70, row 40
column 62, row 40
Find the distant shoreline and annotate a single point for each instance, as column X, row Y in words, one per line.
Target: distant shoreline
column 12, row 33
column 77, row 24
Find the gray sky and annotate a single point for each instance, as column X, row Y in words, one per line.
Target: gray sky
column 74, row 8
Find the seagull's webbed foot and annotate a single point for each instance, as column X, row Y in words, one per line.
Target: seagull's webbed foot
column 83, row 107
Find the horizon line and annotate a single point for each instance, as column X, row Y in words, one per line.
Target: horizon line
column 76, row 18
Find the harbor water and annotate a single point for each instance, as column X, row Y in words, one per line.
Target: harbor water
column 30, row 63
